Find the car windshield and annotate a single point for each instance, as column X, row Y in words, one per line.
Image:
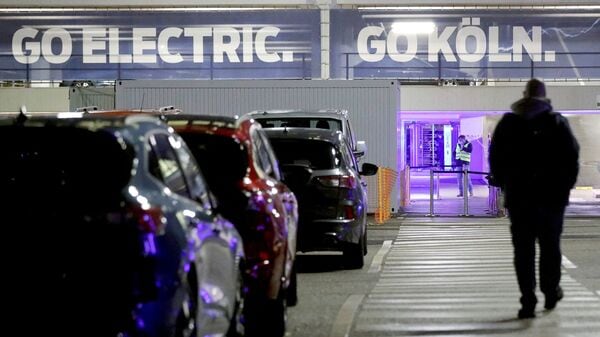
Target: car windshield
column 63, row 168
column 301, row 122
column 219, row 157
column 224, row 162
column 318, row 155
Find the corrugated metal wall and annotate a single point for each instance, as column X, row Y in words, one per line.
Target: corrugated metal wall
column 34, row 99
column 372, row 103
column 103, row 98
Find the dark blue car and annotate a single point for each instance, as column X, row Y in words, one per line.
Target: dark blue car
column 116, row 232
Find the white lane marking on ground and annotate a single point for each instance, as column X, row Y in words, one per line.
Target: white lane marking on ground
column 567, row 263
column 343, row 321
column 378, row 259
column 598, row 292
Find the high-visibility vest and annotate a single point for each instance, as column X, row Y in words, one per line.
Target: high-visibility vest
column 462, row 155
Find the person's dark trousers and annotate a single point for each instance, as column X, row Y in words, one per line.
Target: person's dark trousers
column 545, row 224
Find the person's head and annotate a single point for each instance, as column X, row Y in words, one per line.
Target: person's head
column 535, row 89
column 462, row 139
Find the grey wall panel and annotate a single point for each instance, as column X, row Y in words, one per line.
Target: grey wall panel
column 372, row 104
column 494, row 98
column 103, row 98
column 34, row 99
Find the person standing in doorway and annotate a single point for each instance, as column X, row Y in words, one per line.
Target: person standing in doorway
column 534, row 159
column 462, row 158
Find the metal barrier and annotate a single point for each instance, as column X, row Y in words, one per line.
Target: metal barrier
column 386, row 178
column 494, row 197
column 496, row 201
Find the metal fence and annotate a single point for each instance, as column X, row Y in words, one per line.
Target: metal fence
column 574, row 66
column 75, row 69
column 493, row 206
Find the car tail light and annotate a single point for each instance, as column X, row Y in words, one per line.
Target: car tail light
column 338, row 181
column 349, row 212
column 149, row 220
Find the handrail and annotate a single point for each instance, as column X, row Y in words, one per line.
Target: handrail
column 442, row 70
column 208, row 69
column 465, row 183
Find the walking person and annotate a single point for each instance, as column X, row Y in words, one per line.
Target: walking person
column 534, row 159
column 462, row 158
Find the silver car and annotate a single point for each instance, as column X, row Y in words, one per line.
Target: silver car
column 329, row 119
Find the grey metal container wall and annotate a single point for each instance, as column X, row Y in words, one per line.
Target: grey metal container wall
column 103, row 98
column 372, row 104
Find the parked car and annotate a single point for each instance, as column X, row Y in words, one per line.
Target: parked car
column 335, row 120
column 332, row 201
column 116, row 231
column 243, row 173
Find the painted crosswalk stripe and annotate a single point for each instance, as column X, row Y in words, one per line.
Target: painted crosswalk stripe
column 343, row 322
column 378, row 259
column 566, row 263
column 458, row 279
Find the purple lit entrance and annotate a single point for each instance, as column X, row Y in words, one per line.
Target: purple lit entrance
column 427, row 139
column 427, row 142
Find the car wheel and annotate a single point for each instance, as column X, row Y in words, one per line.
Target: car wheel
column 278, row 313
column 353, row 255
column 292, row 290
column 365, row 248
column 270, row 318
column 185, row 325
column 236, row 327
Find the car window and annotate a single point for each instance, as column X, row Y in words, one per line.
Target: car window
column 261, row 154
column 266, row 147
column 301, row 122
column 348, row 156
column 192, row 173
column 351, row 138
column 318, row 155
column 163, row 164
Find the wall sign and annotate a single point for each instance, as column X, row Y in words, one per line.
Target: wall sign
column 465, row 44
column 160, row 45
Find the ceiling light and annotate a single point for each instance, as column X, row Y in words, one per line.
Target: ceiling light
column 419, row 27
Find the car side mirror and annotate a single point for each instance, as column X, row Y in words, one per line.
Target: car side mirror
column 361, row 149
column 368, row 169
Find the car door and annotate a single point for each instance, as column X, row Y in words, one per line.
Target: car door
column 210, row 245
column 285, row 196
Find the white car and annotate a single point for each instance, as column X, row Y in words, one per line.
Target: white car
column 335, row 120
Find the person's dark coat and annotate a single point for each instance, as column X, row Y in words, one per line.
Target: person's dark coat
column 534, row 155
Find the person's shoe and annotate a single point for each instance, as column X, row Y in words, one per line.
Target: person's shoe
column 525, row 313
column 471, row 194
column 551, row 300
column 459, row 195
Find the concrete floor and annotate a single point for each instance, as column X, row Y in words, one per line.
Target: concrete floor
column 444, row 277
column 454, row 277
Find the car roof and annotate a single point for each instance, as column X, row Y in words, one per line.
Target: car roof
column 189, row 119
column 77, row 119
column 305, row 134
column 327, row 113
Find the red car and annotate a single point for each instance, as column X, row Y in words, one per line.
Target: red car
column 241, row 170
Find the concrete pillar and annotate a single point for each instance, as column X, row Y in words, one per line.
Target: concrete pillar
column 325, row 46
